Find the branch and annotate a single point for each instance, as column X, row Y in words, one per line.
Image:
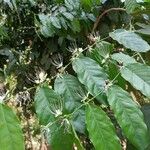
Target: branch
column 105, row 12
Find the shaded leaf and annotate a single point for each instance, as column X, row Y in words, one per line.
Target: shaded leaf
column 101, row 51
column 71, row 89
column 145, row 29
column 129, row 117
column 101, row 130
column 60, row 136
column 73, row 93
column 78, row 121
column 131, row 5
column 45, row 104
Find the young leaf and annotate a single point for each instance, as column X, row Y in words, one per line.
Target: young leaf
column 129, row 117
column 130, row 40
column 11, row 136
column 101, row 130
column 92, row 76
column 45, row 104
column 139, row 76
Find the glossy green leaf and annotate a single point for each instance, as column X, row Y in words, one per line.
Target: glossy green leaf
column 60, row 136
column 71, row 89
column 129, row 117
column 123, row 58
column 139, row 76
column 73, row 93
column 92, row 76
column 11, row 136
column 47, row 104
column 101, row 130
column 130, row 40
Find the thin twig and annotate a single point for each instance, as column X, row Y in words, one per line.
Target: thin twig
column 141, row 58
column 105, row 12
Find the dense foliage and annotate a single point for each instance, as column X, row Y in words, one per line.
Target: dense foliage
column 74, row 74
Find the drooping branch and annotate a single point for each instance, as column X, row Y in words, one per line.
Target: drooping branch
column 101, row 16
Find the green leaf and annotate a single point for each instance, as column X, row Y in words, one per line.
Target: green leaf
column 63, row 23
column 139, row 76
column 46, row 27
column 69, row 16
column 72, row 4
column 47, row 103
column 73, row 93
column 92, row 76
column 46, row 31
column 11, row 136
column 101, row 52
column 146, row 112
column 55, row 22
column 101, row 130
column 123, row 58
column 77, row 141
column 131, row 5
column 89, row 3
column 33, row 2
column 78, row 121
column 130, row 40
column 145, row 29
column 114, row 73
column 129, row 117
column 75, row 25
column 60, row 136
column 43, row 18
column 71, row 89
